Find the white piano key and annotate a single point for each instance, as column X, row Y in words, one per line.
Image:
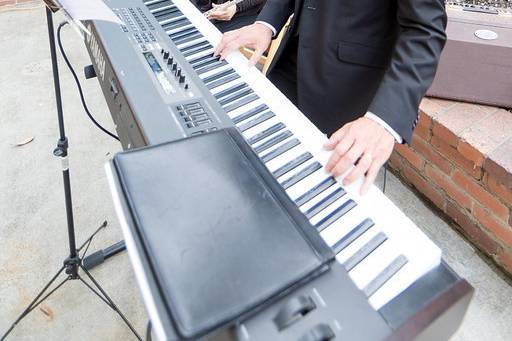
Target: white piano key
column 282, row 159
column 372, row 265
column 178, row 29
column 245, row 108
column 215, row 71
column 190, row 43
column 295, row 191
column 319, row 197
column 226, row 86
column 329, row 209
column 341, row 227
column 260, row 127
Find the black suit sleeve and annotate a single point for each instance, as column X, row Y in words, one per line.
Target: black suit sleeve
column 276, row 13
column 413, row 64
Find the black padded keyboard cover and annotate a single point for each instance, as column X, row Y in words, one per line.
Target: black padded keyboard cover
column 222, row 237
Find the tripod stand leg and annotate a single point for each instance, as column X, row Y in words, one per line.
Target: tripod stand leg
column 109, row 301
column 36, row 301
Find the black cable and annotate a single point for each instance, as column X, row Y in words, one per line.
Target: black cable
column 78, row 84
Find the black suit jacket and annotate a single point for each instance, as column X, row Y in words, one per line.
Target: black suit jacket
column 362, row 55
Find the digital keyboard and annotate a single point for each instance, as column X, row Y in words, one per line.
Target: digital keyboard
column 162, row 83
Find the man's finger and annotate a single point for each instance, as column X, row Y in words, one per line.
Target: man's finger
column 371, row 175
column 348, row 159
column 226, row 39
column 258, row 52
column 341, row 148
column 230, row 47
column 335, row 138
column 360, row 169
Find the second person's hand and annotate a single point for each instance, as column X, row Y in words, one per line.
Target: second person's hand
column 256, row 36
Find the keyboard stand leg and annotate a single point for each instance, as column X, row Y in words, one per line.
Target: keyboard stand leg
column 98, row 257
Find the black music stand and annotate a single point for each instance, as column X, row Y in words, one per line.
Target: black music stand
column 73, row 262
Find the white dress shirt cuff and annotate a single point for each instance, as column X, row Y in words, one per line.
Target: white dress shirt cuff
column 386, row 126
column 269, row 26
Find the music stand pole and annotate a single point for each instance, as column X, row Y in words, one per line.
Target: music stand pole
column 74, row 261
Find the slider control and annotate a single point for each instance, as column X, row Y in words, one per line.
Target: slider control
column 293, row 310
column 320, row 332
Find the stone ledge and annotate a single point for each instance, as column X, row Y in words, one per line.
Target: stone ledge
column 460, row 159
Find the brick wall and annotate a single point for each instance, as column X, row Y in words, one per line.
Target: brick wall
column 460, row 159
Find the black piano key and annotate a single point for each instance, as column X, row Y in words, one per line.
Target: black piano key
column 248, row 114
column 301, row 175
column 266, row 133
column 390, row 270
column 325, row 202
column 365, row 251
column 206, row 62
column 272, row 142
column 158, row 4
column 230, row 90
column 256, row 121
column 175, row 23
column 218, row 75
column 313, row 192
column 235, row 96
column 355, row 233
column 196, row 45
column 201, row 59
column 223, row 80
column 214, row 65
column 280, row 150
column 163, row 7
column 241, row 102
column 197, row 50
column 335, row 215
column 163, row 16
column 188, row 39
column 182, row 32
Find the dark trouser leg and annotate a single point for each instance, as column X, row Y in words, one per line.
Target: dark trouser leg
column 284, row 73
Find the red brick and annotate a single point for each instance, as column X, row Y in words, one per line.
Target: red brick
column 453, row 155
column 488, row 200
column 395, row 161
column 425, row 149
column 499, row 164
column 471, row 229
column 414, row 159
column 470, row 152
column 445, row 134
column 454, row 192
column 422, row 132
column 502, row 231
column 424, row 120
column 505, row 260
column 424, row 187
column 498, row 189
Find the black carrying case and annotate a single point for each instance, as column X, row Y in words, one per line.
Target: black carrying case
column 221, row 236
